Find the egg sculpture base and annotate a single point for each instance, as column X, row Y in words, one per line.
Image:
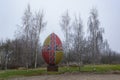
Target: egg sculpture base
column 52, row 52
column 52, row 68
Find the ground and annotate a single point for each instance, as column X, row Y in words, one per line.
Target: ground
column 73, row 76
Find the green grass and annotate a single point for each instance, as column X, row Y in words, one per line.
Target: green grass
column 4, row 74
column 14, row 73
column 91, row 68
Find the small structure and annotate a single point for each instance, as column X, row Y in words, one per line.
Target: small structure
column 52, row 52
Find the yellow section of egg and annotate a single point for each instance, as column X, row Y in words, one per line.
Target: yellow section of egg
column 58, row 56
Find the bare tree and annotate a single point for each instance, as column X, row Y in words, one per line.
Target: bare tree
column 37, row 29
column 27, row 27
column 32, row 26
column 65, row 25
column 78, row 39
column 95, row 36
column 5, row 52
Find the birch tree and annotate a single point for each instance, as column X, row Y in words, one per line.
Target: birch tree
column 78, row 39
column 39, row 24
column 95, row 35
column 27, row 27
column 65, row 25
column 32, row 26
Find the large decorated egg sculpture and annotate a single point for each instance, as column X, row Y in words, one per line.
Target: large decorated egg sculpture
column 52, row 51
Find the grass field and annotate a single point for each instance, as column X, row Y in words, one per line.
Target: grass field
column 42, row 71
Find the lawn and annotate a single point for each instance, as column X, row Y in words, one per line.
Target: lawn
column 92, row 68
column 4, row 74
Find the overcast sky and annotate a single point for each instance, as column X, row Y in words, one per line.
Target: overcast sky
column 11, row 12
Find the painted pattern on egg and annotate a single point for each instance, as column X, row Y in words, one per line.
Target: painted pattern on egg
column 52, row 50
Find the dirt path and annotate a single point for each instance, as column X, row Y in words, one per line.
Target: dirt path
column 77, row 76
